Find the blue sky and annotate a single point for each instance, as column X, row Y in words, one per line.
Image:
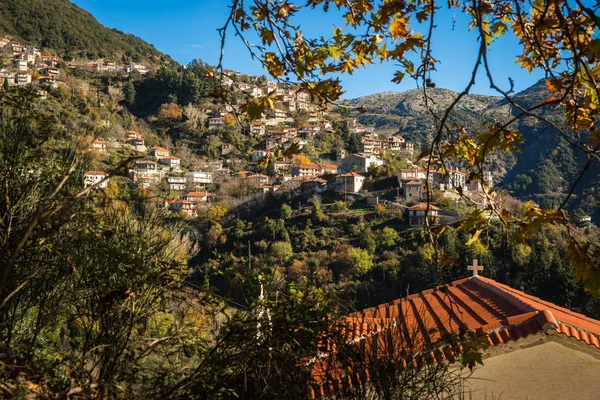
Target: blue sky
column 187, row 29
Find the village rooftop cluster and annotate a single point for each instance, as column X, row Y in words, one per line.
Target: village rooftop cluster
column 189, row 188
column 24, row 64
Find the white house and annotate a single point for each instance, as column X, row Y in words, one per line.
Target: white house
column 50, row 61
column 159, row 152
column 22, row 78
column 20, row 65
column 313, row 185
column 146, row 167
column 254, row 91
column 350, row 182
column 170, row 161
column 417, row 214
column 313, row 169
column 359, row 162
column 259, row 179
column 184, row 206
column 406, row 174
column 196, row 178
column 176, row 182
column 136, row 143
column 258, row 155
column 98, row 145
column 216, row 123
column 452, row 180
column 51, row 72
column 29, row 58
column 146, row 173
column 91, row 178
column 142, row 69
column 197, row 197
column 257, row 129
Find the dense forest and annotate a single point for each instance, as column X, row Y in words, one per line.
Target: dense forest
column 67, row 30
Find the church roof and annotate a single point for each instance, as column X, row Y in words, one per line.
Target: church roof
column 477, row 303
column 482, row 303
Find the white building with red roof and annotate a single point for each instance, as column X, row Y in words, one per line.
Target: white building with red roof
column 182, row 206
column 350, row 182
column 158, row 152
column 420, row 213
column 91, row 178
column 170, row 161
column 313, row 169
column 197, row 197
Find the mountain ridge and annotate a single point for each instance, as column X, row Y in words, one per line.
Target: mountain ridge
column 72, row 32
column 541, row 171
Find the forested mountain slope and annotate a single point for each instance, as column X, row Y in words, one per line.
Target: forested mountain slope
column 63, row 27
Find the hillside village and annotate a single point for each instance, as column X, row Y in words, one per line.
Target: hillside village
column 190, row 190
column 25, row 64
column 279, row 159
column 276, row 129
column 185, row 231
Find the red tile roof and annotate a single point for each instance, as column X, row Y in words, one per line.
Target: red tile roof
column 95, row 173
column 480, row 304
column 354, row 174
column 423, row 207
column 316, row 166
column 197, row 194
column 180, row 201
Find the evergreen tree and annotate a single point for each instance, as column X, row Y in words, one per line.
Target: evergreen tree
column 129, row 93
column 190, row 89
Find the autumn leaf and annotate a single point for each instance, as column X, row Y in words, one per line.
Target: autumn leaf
column 398, row 76
column 552, row 85
column 474, row 237
column 398, row 28
column 422, row 16
column 273, row 65
column 267, row 36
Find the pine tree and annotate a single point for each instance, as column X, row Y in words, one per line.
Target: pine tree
column 129, row 93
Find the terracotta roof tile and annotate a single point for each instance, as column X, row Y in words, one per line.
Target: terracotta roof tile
column 478, row 304
column 422, row 207
column 351, row 174
column 197, row 194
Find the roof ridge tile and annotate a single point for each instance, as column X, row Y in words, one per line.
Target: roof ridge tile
column 510, row 297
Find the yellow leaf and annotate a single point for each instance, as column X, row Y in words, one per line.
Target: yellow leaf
column 267, row 36
column 552, row 85
column 398, row 28
column 273, row 65
column 474, row 237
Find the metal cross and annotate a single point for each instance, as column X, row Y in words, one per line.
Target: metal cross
column 475, row 268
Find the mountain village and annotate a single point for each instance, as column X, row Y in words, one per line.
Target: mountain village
column 189, row 190
column 178, row 229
